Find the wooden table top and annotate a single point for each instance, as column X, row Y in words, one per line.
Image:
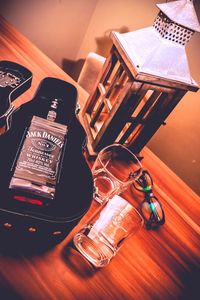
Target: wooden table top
column 157, row 264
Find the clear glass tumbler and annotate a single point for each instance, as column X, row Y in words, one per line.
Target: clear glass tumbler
column 101, row 238
column 114, row 170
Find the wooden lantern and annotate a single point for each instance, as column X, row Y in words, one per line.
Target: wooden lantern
column 142, row 80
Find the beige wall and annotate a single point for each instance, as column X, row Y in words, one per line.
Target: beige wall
column 118, row 15
column 57, row 27
column 68, row 30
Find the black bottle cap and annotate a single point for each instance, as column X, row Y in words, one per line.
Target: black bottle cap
column 42, row 102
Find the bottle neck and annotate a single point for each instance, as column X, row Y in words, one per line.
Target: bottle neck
column 52, row 113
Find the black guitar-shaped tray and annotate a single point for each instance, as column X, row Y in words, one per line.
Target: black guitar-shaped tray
column 46, row 223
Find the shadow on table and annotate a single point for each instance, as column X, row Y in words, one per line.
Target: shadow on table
column 77, row 263
column 191, row 281
column 16, row 246
column 8, row 293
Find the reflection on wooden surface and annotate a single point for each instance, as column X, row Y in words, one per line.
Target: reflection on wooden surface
column 158, row 264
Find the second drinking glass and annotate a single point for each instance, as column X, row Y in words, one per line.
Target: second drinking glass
column 114, row 170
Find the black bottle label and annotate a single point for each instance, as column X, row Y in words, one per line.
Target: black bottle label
column 37, row 167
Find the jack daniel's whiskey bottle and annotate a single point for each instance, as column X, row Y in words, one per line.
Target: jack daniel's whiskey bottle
column 39, row 160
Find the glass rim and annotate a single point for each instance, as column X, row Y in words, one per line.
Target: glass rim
column 126, row 149
column 100, row 259
column 138, row 213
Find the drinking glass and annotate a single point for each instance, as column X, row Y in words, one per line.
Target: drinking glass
column 103, row 235
column 114, row 170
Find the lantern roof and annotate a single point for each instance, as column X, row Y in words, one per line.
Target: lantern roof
column 181, row 12
column 159, row 50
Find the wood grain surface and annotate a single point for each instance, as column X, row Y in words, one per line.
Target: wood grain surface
column 158, row 264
